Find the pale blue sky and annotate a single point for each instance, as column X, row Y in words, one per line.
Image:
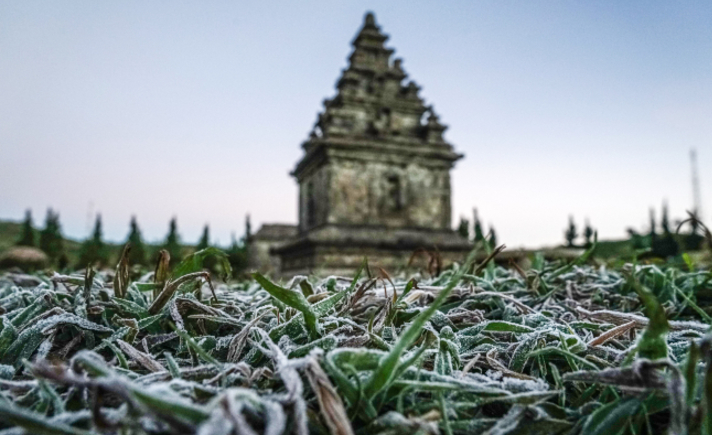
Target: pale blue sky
column 197, row 109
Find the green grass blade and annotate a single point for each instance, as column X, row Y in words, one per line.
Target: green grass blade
column 383, row 374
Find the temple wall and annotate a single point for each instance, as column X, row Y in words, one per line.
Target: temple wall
column 314, row 199
column 344, row 261
column 260, row 259
column 376, row 193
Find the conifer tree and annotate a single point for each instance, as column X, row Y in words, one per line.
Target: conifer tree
column 492, row 239
column 665, row 246
column 137, row 255
column 172, row 243
column 571, row 234
column 477, row 227
column 653, row 226
column 248, row 230
column 204, row 239
column 27, row 238
column 93, row 251
column 51, row 241
column 664, row 223
column 209, row 262
column 653, row 229
column 588, row 233
column 237, row 256
column 464, row 228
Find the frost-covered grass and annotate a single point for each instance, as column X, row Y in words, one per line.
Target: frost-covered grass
column 560, row 348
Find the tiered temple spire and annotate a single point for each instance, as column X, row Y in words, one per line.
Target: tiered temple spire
column 374, row 179
column 373, row 100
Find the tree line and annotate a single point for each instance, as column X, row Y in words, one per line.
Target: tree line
column 661, row 240
column 96, row 252
column 571, row 234
column 664, row 240
column 477, row 234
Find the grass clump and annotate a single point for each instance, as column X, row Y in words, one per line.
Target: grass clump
column 560, row 348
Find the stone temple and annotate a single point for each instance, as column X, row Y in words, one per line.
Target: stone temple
column 374, row 180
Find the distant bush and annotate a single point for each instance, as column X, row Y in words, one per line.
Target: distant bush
column 26, row 258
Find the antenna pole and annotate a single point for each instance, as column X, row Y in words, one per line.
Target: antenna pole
column 697, row 206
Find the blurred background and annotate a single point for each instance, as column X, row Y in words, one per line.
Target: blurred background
column 196, row 110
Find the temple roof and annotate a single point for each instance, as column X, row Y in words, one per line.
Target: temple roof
column 376, row 106
column 278, row 232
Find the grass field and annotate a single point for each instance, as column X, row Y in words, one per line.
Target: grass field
column 560, row 348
